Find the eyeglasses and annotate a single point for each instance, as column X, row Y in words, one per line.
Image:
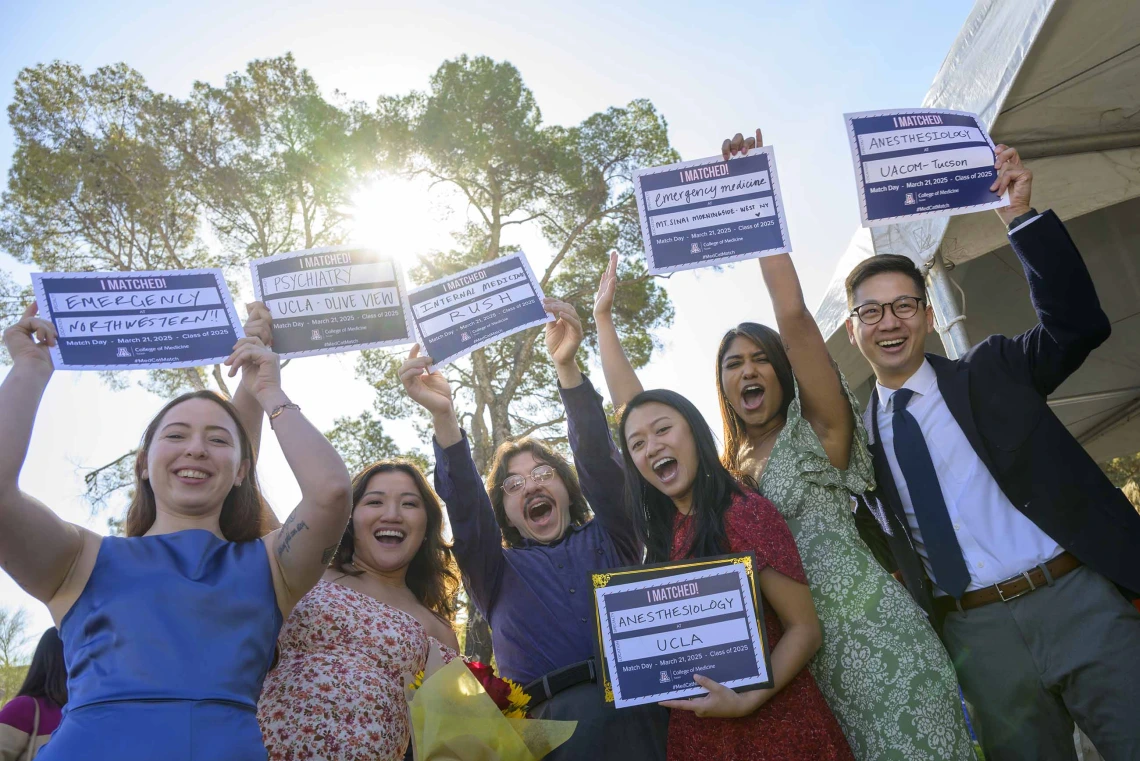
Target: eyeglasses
column 516, row 482
column 872, row 312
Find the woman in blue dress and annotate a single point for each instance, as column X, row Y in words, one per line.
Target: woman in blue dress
column 169, row 631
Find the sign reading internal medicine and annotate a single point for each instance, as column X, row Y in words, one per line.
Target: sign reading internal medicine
column 710, row 211
column 328, row 300
column 921, row 163
column 138, row 320
column 660, row 625
column 463, row 312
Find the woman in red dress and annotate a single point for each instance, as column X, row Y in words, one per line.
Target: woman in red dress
column 690, row 506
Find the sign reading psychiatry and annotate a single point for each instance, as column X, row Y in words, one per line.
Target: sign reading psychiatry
column 463, row 312
column 659, row 625
column 921, row 163
column 138, row 320
column 328, row 300
column 711, row 211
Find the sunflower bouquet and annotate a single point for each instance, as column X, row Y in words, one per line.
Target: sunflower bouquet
column 464, row 712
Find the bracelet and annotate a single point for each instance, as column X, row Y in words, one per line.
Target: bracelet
column 281, row 408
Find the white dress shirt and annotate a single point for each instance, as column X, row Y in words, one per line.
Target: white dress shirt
column 997, row 541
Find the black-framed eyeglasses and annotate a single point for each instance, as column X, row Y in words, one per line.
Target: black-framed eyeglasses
column 903, row 307
column 540, row 474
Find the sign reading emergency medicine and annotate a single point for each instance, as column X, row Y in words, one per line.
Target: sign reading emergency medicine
column 329, row 300
column 138, row 320
column 659, row 625
column 919, row 163
column 710, row 211
column 463, row 312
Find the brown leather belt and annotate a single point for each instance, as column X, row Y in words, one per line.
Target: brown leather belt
column 1012, row 588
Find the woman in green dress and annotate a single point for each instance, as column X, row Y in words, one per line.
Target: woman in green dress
column 792, row 424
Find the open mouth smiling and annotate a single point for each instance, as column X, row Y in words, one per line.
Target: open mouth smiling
column 752, row 396
column 665, row 468
column 539, row 509
column 389, row 537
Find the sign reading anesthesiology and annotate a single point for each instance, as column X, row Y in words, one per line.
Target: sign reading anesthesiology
column 328, row 300
column 921, row 162
column 463, row 312
column 138, row 320
column 658, row 625
column 711, row 211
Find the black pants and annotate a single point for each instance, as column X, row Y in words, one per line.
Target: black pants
column 605, row 733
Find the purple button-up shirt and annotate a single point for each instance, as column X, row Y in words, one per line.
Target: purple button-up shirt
column 538, row 598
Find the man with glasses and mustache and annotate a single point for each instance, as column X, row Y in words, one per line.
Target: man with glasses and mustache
column 527, row 547
column 1002, row 526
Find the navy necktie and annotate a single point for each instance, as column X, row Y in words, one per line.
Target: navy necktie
column 942, row 548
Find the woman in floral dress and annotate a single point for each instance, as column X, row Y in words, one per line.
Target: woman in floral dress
column 337, row 692
column 792, row 424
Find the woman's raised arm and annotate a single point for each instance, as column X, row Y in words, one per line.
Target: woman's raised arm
column 621, row 378
column 824, row 405
column 37, row 549
column 304, row 545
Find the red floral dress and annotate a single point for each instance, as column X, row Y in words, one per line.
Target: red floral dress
column 796, row 723
column 337, row 692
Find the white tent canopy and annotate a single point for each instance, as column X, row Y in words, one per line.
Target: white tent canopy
column 1059, row 80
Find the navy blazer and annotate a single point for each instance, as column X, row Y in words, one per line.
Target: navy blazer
column 997, row 393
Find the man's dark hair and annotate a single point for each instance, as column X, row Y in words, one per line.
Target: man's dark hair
column 879, row 264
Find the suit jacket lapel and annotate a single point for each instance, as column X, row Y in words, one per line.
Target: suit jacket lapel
column 954, row 385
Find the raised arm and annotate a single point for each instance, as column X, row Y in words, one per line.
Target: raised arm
column 257, row 325
column 37, row 549
column 301, row 549
column 600, row 470
column 823, row 403
column 619, row 373
column 478, row 542
column 1071, row 322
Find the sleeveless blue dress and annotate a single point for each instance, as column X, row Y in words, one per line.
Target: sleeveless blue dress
column 166, row 650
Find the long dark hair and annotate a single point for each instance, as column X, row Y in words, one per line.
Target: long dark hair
column 47, row 676
column 541, row 451
column 772, row 345
column 713, row 487
column 241, row 518
column 431, row 576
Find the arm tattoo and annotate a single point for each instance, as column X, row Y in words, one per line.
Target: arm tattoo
column 291, row 528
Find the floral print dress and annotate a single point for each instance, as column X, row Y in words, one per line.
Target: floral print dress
column 337, row 693
column 881, row 667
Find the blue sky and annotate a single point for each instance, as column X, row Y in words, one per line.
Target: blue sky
column 791, row 68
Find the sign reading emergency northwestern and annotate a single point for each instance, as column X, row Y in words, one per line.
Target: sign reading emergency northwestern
column 138, row 320
column 329, row 300
column 921, row 162
column 463, row 312
column 658, row 625
column 710, row 211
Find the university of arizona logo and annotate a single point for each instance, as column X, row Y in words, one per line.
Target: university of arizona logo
column 316, row 335
column 123, row 351
column 664, row 677
column 909, row 199
column 464, row 337
column 696, row 248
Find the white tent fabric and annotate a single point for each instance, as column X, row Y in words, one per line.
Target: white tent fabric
column 1059, row 80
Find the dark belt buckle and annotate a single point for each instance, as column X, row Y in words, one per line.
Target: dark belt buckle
column 1003, row 598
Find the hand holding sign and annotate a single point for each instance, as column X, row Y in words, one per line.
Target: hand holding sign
column 1014, row 177
column 259, row 323
column 260, row 367
column 720, row 703
column 732, row 146
column 607, row 289
column 29, row 341
column 428, row 389
column 564, row 335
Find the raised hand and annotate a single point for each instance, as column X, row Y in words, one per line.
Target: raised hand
column 607, row 288
column 721, row 702
column 564, row 335
column 1014, row 177
column 259, row 323
column 429, row 390
column 740, row 144
column 30, row 339
column 260, row 367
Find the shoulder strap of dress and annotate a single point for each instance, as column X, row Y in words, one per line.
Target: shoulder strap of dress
column 34, row 737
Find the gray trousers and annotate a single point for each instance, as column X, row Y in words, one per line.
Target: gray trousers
column 1030, row 667
column 605, row 733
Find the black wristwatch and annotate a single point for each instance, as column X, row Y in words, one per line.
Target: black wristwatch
column 1022, row 218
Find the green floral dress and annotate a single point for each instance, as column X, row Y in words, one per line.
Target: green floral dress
column 881, row 667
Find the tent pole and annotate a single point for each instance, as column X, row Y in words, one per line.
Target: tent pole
column 948, row 314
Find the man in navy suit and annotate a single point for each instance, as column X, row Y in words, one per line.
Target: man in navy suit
column 1002, row 526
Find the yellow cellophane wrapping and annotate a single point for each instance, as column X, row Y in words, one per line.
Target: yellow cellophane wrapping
column 454, row 719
